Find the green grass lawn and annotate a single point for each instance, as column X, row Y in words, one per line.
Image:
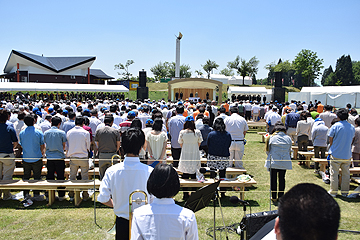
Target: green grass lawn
column 64, row 221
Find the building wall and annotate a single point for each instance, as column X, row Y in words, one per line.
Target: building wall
column 47, row 78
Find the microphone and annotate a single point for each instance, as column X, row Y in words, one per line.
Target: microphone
column 235, row 199
column 204, row 170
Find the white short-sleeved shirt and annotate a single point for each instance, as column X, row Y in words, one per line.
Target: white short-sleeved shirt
column 122, row 179
column 236, row 125
column 163, row 219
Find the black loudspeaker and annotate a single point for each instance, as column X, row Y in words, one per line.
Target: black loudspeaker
column 142, row 93
column 142, row 78
column 252, row 223
column 278, row 79
column 278, row 93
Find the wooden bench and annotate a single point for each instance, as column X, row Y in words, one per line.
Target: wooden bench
column 356, row 179
column 18, row 171
column 229, row 171
column 235, row 183
column 296, row 149
column 262, row 136
column 51, row 186
column 322, row 162
column 169, row 160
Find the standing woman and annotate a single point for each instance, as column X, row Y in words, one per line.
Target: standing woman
column 218, row 142
column 303, row 131
column 278, row 161
column 156, row 141
column 189, row 140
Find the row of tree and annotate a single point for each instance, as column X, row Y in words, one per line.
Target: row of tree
column 346, row 73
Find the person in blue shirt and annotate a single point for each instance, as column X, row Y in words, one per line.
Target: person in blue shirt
column 340, row 135
column 55, row 140
column 8, row 142
column 32, row 142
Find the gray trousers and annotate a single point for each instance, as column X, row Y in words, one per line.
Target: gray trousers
column 7, row 166
column 104, row 162
column 83, row 163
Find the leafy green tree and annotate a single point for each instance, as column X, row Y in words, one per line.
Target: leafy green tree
column 160, row 70
column 199, row 72
column 184, row 70
column 344, row 71
column 243, row 67
column 209, row 66
column 308, row 65
column 227, row 72
column 125, row 69
column 356, row 71
column 325, row 75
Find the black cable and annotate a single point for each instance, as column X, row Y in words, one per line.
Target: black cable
column 350, row 231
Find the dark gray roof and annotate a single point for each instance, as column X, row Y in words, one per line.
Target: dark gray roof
column 98, row 73
column 56, row 64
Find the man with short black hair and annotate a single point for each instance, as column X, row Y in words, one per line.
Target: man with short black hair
column 79, row 145
column 237, row 127
column 340, row 136
column 55, row 140
column 69, row 124
column 108, row 142
column 306, row 211
column 32, row 142
column 46, row 125
column 122, row 179
column 327, row 116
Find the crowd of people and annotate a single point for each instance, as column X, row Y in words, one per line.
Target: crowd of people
column 139, row 132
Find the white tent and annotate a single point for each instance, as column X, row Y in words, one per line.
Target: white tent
column 250, row 91
column 60, row 87
column 337, row 96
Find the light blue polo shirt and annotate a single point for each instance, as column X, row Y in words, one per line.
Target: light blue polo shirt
column 30, row 140
column 54, row 139
column 342, row 133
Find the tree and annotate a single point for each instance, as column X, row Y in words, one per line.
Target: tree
column 125, row 68
column 243, row 67
column 308, row 65
column 199, row 72
column 227, row 72
column 344, row 71
column 325, row 75
column 209, row 66
column 184, row 70
column 160, row 70
column 356, row 71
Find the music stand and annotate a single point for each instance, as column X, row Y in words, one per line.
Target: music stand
column 201, row 199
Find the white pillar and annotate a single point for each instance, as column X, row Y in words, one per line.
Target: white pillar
column 177, row 61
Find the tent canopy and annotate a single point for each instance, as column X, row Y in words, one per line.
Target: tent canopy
column 60, row 87
column 248, row 90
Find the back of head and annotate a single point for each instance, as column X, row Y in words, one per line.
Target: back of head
column 136, row 123
column 342, row 114
column 29, row 120
column 157, row 126
column 109, row 119
column 328, row 108
column 219, row 125
column 279, row 127
column 72, row 115
column 3, row 116
column 163, row 182
column 55, row 121
column 79, row 120
column 132, row 141
column 308, row 212
column 180, row 109
column 234, row 110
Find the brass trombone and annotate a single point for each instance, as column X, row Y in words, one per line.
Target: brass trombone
column 138, row 201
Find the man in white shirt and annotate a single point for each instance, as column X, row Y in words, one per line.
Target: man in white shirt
column 293, row 105
column 272, row 118
column 170, row 220
column 46, row 125
column 79, row 145
column 255, row 110
column 237, row 127
column 327, row 116
column 122, row 179
column 247, row 108
column 222, row 115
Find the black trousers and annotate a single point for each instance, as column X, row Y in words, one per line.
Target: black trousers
column 57, row 166
column 276, row 174
column 175, row 152
column 36, row 168
column 247, row 115
column 122, row 229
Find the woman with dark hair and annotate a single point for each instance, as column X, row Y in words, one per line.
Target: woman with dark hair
column 278, row 148
column 171, row 220
column 218, row 143
column 303, row 131
column 136, row 123
column 189, row 140
column 156, row 141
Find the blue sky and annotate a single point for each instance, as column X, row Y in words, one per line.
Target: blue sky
column 115, row 31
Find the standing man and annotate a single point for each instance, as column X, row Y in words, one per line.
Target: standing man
column 272, row 118
column 237, row 127
column 176, row 124
column 32, row 142
column 327, row 116
column 55, row 140
column 247, row 107
column 291, row 120
column 108, row 142
column 255, row 111
column 79, row 145
column 8, row 142
column 340, row 139
column 122, row 179
column 46, row 125
column 69, row 124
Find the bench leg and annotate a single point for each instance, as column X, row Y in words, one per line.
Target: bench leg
column 242, row 193
column 323, row 167
column 307, row 162
column 51, row 197
column 263, row 138
column 77, row 198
